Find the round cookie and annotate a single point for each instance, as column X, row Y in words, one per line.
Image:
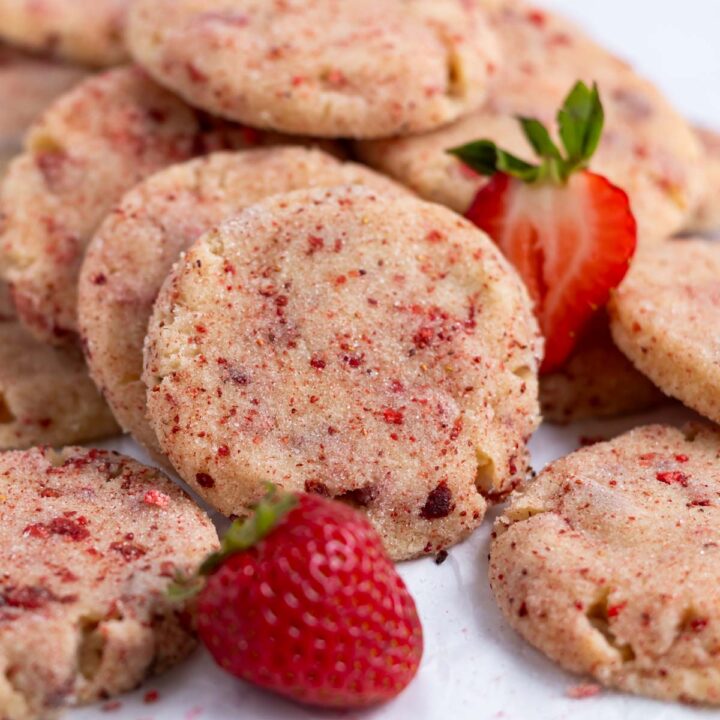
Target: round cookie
column 598, row 381
column 376, row 350
column 329, row 68
column 91, row 541
column 90, row 33
column 136, row 246
column 30, row 84
column 90, row 147
column 665, row 317
column 609, row 563
column 647, row 148
column 46, row 395
column 707, row 216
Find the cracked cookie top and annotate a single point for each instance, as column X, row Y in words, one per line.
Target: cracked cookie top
column 374, row 349
column 329, row 68
column 608, row 563
column 91, row 540
column 137, row 245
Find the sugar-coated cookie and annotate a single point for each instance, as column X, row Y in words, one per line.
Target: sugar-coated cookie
column 143, row 236
column 46, row 395
column 597, row 381
column 28, row 85
column 377, row 350
column 90, row 542
column 609, row 563
column 90, row 33
column 665, row 317
column 90, row 146
column 707, row 215
column 648, row 149
column 330, row 68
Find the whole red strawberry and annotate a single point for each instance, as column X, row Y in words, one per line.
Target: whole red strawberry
column 569, row 232
column 303, row 600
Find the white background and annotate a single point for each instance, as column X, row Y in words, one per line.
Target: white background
column 475, row 668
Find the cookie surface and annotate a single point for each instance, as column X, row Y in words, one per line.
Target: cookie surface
column 647, row 148
column 597, row 381
column 136, row 246
column 707, row 215
column 665, row 317
column 90, row 147
column 91, row 541
column 46, row 395
column 31, row 84
column 331, row 68
column 608, row 563
column 376, row 350
column 89, row 33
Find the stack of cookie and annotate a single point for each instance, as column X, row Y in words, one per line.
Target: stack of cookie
column 254, row 307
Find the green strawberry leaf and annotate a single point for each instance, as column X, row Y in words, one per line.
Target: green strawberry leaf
column 580, row 125
column 581, row 120
column 539, row 137
column 486, row 158
column 243, row 534
column 183, row 588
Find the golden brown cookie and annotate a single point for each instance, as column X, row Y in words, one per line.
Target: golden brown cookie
column 707, row 215
column 648, row 149
column 28, row 85
column 143, row 236
column 46, row 395
column 377, row 350
column 90, row 147
column 89, row 33
column 609, row 563
column 665, row 317
column 90, row 542
column 329, row 68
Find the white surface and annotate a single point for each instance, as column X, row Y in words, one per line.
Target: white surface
column 475, row 667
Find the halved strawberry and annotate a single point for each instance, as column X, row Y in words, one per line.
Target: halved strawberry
column 569, row 232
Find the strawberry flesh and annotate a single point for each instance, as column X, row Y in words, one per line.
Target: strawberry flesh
column 571, row 243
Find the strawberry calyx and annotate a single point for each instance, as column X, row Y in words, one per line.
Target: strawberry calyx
column 569, row 232
column 241, row 535
column 581, row 120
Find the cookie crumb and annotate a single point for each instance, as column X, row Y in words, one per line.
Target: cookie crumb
column 157, row 498
column 583, row 692
column 151, row 696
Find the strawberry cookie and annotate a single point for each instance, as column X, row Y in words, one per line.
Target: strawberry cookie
column 609, row 563
column 29, row 85
column 647, row 149
column 46, row 395
column 329, row 68
column 707, row 215
column 372, row 349
column 666, row 319
column 89, row 33
column 91, row 541
column 91, row 146
column 597, row 381
column 143, row 236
